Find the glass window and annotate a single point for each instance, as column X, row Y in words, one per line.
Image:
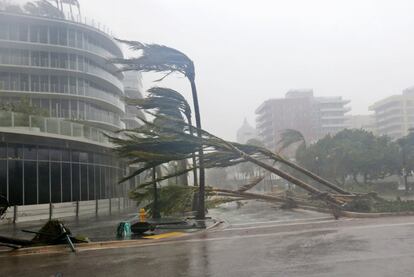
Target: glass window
column 30, row 182
column 44, row 182
column 15, row 151
column 79, row 39
column 103, row 182
column 3, row 178
column 72, row 38
column 44, row 83
column 35, row 83
column 25, row 60
column 65, row 155
column 14, row 81
column 54, row 60
column 84, row 182
column 81, row 113
column 43, row 153
column 55, row 108
column 55, row 154
column 3, row 151
column 14, row 32
column 75, row 182
column 81, row 62
column 83, row 157
column 4, row 81
column 54, row 84
column 15, row 182
column 64, row 110
column 4, row 30
column 63, row 61
column 56, row 182
column 63, row 37
column 91, row 182
column 24, row 82
column 72, row 62
column 74, row 108
column 44, row 59
column 23, row 32
column 75, row 156
column 72, row 85
column 66, row 182
column 64, row 85
column 81, row 87
column 43, row 34
column 30, row 152
column 34, row 33
column 54, row 35
column 98, row 181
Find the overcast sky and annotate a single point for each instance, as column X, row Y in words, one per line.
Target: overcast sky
column 248, row 51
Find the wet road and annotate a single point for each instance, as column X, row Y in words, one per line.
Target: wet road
column 257, row 240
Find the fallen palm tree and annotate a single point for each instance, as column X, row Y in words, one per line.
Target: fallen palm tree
column 252, row 184
column 153, row 144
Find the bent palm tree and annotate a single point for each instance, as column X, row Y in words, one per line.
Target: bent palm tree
column 164, row 144
column 171, row 103
column 160, row 58
column 289, row 137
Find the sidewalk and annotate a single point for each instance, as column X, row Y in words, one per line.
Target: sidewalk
column 103, row 228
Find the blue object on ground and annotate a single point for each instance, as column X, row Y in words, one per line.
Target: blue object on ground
column 124, row 229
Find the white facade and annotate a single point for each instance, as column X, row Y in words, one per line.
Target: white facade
column 394, row 115
column 300, row 110
column 59, row 153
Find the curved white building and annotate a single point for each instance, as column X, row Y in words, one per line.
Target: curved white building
column 60, row 153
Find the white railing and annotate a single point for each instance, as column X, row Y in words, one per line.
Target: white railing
column 58, row 126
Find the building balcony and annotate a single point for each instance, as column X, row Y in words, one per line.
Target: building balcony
column 94, row 53
column 94, row 74
column 55, row 127
column 93, row 96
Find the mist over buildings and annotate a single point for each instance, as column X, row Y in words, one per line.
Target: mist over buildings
column 249, row 51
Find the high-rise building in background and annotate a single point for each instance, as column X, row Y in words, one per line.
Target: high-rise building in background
column 300, row 110
column 364, row 122
column 59, row 95
column 394, row 115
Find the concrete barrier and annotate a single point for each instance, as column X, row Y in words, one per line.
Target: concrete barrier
column 67, row 209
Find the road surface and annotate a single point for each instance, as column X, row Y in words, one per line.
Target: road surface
column 256, row 240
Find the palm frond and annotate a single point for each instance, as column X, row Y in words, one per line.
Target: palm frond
column 155, row 57
column 289, row 137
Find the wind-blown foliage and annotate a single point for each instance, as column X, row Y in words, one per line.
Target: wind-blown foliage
column 351, row 153
column 289, row 137
column 160, row 58
column 158, row 144
column 155, row 57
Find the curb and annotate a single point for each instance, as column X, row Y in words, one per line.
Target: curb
column 356, row 214
column 98, row 245
column 375, row 215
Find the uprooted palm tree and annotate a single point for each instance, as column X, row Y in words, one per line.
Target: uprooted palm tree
column 160, row 58
column 152, row 145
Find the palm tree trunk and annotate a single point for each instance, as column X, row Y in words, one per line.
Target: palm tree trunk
column 285, row 176
column 155, row 211
column 182, row 179
column 201, row 191
column 195, row 181
column 311, row 175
